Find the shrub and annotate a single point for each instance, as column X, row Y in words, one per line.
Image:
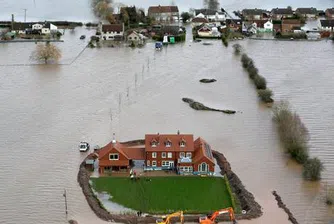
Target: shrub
column 237, row 49
column 225, row 41
column 265, row 95
column 252, row 71
column 293, row 133
column 260, row 82
column 245, row 60
column 330, row 195
column 312, row 169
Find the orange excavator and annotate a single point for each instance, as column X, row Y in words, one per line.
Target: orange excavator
column 166, row 220
column 211, row 219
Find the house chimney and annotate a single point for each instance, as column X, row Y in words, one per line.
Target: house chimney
column 113, row 139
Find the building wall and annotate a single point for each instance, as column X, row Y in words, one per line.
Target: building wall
column 164, row 16
column 37, row 26
column 105, row 161
column 289, row 27
column 211, row 166
column 45, row 30
column 328, row 15
column 111, row 35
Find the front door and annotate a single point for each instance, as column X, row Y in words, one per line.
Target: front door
column 171, row 164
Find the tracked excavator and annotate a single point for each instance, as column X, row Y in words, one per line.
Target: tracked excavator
column 212, row 218
column 167, row 219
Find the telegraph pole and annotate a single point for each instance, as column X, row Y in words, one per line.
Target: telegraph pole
column 65, row 196
column 25, row 15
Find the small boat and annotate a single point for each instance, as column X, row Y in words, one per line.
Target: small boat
column 83, row 147
column 158, row 45
column 82, row 37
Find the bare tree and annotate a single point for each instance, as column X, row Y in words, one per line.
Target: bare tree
column 46, row 53
column 211, row 4
column 102, row 8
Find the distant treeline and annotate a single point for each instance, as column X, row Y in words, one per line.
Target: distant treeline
column 56, row 23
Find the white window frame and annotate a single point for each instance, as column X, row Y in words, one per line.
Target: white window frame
column 154, row 144
column 163, row 155
column 200, row 167
column 189, row 155
column 113, row 154
column 165, row 163
column 168, row 144
column 169, row 155
column 154, row 163
column 182, row 155
column 154, row 155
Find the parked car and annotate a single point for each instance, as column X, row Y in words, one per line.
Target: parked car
column 83, row 147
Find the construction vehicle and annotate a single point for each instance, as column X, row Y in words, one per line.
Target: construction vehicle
column 167, row 219
column 211, row 219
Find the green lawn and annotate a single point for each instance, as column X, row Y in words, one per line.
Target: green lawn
column 167, row 194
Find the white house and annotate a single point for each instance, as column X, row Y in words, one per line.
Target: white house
column 207, row 31
column 37, row 26
column 268, row 26
column 136, row 38
column 112, row 31
column 49, row 28
column 210, row 15
column 326, row 25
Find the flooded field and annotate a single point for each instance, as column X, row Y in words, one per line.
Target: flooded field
column 47, row 110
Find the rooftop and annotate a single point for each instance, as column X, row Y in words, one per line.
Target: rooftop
column 282, row 11
column 255, row 11
column 174, row 140
column 307, row 10
column 112, row 28
column 162, row 9
column 206, row 12
column 199, row 20
column 327, row 23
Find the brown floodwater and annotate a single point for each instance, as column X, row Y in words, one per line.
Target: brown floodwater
column 46, row 111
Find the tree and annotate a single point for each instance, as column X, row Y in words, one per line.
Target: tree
column 125, row 16
column 211, row 4
column 46, row 53
column 102, row 8
column 185, row 16
column 265, row 95
column 111, row 19
column 312, row 169
column 237, row 49
column 260, row 82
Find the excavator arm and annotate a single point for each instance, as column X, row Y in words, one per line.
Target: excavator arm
column 211, row 219
column 169, row 217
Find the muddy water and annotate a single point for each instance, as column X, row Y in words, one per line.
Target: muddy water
column 46, row 110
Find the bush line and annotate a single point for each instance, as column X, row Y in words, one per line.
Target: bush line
column 259, row 81
column 230, row 193
column 295, row 136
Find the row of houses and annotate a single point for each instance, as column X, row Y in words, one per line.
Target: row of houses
column 177, row 152
column 283, row 13
column 34, row 28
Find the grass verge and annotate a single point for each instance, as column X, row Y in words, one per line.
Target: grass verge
column 157, row 195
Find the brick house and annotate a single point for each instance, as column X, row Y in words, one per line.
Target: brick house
column 307, row 12
column 281, row 13
column 289, row 25
column 178, row 152
column 116, row 157
column 330, row 13
column 164, row 13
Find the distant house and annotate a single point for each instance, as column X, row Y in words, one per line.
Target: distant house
column 37, row 26
column 268, row 26
column 164, row 13
column 136, row 38
column 178, row 152
column 112, row 31
column 197, row 21
column 207, row 31
column 307, row 12
column 210, row 15
column 290, row 25
column 281, row 13
column 330, row 13
column 255, row 14
column 49, row 28
column 20, row 28
column 326, row 25
column 234, row 24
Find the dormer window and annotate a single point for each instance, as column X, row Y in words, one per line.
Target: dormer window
column 168, row 143
column 154, row 143
column 182, row 144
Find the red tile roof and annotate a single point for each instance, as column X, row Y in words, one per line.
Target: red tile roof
column 106, row 149
column 199, row 20
column 175, row 140
column 162, row 9
column 112, row 28
column 202, row 149
column 135, row 153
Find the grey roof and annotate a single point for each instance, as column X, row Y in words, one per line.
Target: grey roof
column 247, row 12
column 206, row 12
column 327, row 23
column 22, row 26
column 330, row 10
column 282, row 11
column 307, row 11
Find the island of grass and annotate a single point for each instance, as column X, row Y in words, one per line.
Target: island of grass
column 162, row 195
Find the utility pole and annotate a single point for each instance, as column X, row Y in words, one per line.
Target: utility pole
column 12, row 22
column 65, row 196
column 25, row 15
